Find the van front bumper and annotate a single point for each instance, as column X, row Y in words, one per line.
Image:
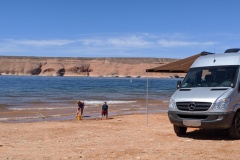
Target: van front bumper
column 202, row 120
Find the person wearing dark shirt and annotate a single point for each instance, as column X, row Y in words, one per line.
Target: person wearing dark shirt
column 80, row 108
column 105, row 110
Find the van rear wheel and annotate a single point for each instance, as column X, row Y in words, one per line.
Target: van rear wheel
column 180, row 130
column 234, row 130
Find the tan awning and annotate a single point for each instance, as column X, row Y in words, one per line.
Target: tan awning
column 180, row 66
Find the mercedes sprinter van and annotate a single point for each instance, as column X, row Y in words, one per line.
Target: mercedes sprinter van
column 209, row 95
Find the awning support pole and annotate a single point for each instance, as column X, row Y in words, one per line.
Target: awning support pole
column 147, row 100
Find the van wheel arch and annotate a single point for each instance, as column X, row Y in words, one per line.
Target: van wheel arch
column 234, row 130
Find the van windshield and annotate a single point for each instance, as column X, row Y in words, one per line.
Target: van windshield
column 217, row 76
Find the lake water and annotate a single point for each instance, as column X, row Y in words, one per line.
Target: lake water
column 26, row 97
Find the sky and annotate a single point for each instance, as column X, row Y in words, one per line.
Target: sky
column 118, row 28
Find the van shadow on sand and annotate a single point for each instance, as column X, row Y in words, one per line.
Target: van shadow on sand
column 208, row 134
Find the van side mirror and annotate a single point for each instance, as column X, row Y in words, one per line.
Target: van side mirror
column 179, row 83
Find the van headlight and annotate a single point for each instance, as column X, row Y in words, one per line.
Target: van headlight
column 221, row 104
column 172, row 104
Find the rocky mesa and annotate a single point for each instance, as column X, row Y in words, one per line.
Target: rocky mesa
column 94, row 67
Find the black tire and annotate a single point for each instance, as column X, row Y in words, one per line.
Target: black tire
column 180, row 130
column 234, row 130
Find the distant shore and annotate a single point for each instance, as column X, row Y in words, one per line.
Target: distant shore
column 92, row 67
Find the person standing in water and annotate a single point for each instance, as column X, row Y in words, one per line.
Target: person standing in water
column 105, row 110
column 80, row 108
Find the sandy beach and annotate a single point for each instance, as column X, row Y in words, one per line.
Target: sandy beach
column 120, row 137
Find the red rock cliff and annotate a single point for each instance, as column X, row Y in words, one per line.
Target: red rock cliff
column 95, row 67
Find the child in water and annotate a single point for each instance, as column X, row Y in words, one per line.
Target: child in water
column 105, row 110
column 80, row 108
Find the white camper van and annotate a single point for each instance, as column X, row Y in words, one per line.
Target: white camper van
column 209, row 95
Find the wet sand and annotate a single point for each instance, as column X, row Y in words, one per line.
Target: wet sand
column 55, row 112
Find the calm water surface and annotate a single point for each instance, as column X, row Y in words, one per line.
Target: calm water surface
column 39, row 92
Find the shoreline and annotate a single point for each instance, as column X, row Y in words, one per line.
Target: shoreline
column 171, row 76
column 68, row 112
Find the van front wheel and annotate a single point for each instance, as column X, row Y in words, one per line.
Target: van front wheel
column 180, row 130
column 234, row 130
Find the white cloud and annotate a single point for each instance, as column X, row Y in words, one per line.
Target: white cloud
column 175, row 43
column 94, row 42
column 41, row 43
column 128, row 41
column 134, row 45
column 132, row 41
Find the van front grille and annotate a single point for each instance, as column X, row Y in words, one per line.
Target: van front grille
column 193, row 106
